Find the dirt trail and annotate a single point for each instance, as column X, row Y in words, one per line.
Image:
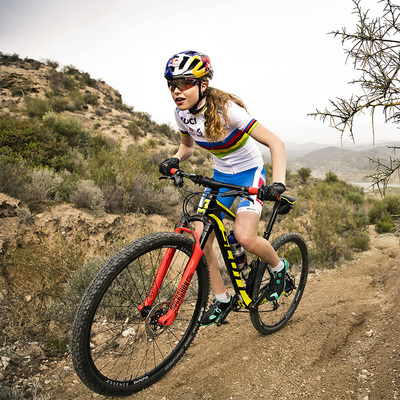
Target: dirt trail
column 342, row 343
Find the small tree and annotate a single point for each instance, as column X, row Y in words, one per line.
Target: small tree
column 304, row 173
column 374, row 49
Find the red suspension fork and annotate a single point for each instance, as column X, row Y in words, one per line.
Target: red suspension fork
column 160, row 275
column 190, row 269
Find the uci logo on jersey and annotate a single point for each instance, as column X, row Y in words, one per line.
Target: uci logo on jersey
column 190, row 121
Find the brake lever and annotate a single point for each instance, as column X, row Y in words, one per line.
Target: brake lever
column 178, row 180
column 230, row 193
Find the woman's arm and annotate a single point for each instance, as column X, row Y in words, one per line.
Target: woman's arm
column 186, row 148
column 277, row 149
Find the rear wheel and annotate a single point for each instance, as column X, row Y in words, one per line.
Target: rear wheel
column 269, row 317
column 115, row 349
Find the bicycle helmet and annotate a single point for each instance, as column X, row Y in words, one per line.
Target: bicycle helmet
column 188, row 64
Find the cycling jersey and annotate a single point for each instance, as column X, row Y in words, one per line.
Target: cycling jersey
column 237, row 151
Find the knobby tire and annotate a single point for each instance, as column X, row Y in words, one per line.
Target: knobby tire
column 115, row 350
column 270, row 317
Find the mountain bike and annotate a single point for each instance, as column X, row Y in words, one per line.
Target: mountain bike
column 143, row 309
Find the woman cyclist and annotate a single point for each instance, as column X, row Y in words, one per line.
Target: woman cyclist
column 219, row 122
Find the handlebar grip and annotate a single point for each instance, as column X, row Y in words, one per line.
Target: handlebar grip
column 173, row 171
column 253, row 190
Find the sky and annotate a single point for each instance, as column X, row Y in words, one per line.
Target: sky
column 277, row 56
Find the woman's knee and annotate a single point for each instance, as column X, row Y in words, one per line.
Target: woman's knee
column 245, row 238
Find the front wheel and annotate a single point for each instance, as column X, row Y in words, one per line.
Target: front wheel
column 116, row 349
column 270, row 317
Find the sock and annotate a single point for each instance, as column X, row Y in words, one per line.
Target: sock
column 278, row 267
column 223, row 297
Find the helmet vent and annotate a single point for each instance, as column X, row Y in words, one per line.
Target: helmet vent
column 183, row 62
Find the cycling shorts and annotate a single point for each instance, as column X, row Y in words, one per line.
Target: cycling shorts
column 252, row 177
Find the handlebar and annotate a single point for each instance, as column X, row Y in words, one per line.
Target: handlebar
column 213, row 184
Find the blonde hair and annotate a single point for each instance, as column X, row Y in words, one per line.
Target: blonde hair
column 216, row 114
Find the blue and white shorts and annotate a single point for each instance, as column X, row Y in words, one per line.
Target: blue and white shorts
column 252, row 177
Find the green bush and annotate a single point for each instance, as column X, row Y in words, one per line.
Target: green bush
column 68, row 129
column 331, row 177
column 30, row 141
column 304, row 173
column 134, row 130
column 384, row 212
column 336, row 224
column 36, row 107
column 385, row 224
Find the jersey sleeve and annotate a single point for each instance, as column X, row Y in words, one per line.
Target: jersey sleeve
column 239, row 118
column 181, row 126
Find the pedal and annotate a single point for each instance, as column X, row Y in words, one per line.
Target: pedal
column 224, row 315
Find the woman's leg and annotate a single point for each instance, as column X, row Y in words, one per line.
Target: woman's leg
column 246, row 234
column 217, row 284
column 245, row 229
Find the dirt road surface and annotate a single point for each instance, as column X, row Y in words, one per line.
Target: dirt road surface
column 342, row 343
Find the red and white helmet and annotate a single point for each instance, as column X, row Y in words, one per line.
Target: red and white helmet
column 188, row 64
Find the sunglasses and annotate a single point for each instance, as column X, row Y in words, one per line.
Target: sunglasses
column 182, row 84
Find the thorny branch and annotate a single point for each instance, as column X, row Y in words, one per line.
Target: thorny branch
column 374, row 50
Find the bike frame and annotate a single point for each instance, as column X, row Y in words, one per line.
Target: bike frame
column 210, row 214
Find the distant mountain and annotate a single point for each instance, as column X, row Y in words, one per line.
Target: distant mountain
column 350, row 163
column 347, row 164
column 296, row 150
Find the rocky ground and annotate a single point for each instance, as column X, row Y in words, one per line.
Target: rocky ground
column 342, row 343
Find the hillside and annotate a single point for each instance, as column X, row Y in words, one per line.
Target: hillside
column 32, row 88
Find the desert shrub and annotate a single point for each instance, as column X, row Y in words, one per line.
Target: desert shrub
column 58, row 104
column 88, row 195
column 34, row 274
column 144, row 196
column 332, row 220
column 385, row 224
column 144, row 121
column 51, row 63
column 13, row 171
column 29, row 140
column 60, row 82
column 67, row 128
column 36, row 107
column 304, row 173
column 393, row 205
column 41, row 187
column 71, row 292
column 326, row 232
column 134, row 130
column 114, row 196
column 91, row 98
column 378, row 211
column 383, row 213
column 166, row 130
column 86, row 80
column 331, row 177
column 7, row 59
column 359, row 240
